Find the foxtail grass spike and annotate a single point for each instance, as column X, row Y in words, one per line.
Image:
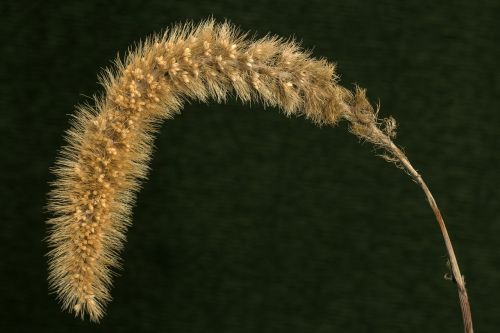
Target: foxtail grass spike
column 109, row 145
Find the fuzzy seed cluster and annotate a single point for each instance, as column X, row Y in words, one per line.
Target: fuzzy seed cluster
column 109, row 145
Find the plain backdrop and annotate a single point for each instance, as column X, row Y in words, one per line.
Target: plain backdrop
column 251, row 221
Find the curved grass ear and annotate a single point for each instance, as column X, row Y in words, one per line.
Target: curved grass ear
column 109, row 144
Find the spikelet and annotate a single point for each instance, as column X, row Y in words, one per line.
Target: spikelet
column 109, row 144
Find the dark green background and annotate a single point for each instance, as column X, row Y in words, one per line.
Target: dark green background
column 254, row 222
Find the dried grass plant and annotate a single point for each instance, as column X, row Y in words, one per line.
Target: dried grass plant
column 109, row 144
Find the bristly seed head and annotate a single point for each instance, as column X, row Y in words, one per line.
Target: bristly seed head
column 109, row 147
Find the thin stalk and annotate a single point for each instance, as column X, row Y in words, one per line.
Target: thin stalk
column 462, row 291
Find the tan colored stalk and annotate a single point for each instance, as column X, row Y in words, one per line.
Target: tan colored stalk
column 109, row 145
column 457, row 276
